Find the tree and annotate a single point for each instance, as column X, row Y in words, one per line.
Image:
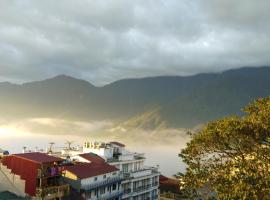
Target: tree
column 230, row 158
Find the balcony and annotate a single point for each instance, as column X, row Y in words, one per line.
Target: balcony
column 45, row 174
column 126, row 157
column 53, row 191
column 155, row 184
column 127, row 191
column 154, row 197
column 146, row 171
column 142, row 188
column 109, row 181
column 111, row 196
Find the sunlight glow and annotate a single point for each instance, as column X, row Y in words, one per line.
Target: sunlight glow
column 6, row 131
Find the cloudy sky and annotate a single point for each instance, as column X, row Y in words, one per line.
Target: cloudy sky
column 103, row 41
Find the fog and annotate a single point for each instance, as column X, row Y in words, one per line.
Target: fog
column 160, row 146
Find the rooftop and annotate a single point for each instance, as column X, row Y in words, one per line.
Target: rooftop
column 8, row 195
column 118, row 144
column 38, row 157
column 87, row 170
column 93, row 158
column 169, row 184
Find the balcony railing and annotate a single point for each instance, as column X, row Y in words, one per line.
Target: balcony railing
column 44, row 173
column 127, row 191
column 147, row 198
column 109, row 181
column 155, row 184
column 141, row 188
column 132, row 174
column 53, row 191
column 111, row 196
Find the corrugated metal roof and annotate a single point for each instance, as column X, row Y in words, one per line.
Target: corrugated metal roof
column 169, row 184
column 87, row 170
column 38, row 157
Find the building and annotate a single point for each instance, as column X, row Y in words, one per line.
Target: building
column 140, row 182
column 169, row 189
column 35, row 175
column 93, row 178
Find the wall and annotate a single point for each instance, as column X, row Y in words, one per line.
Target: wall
column 13, row 183
column 72, row 179
column 100, row 178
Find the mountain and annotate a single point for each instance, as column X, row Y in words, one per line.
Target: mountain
column 168, row 101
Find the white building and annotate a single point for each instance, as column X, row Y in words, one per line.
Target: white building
column 140, row 182
column 94, row 179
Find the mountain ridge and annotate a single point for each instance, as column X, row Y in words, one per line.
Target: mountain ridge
column 140, row 78
column 184, row 101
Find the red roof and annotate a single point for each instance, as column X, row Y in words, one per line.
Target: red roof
column 87, row 170
column 38, row 157
column 169, row 184
column 118, row 144
column 163, row 178
column 94, row 158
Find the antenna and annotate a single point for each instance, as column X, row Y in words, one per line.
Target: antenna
column 69, row 145
column 50, row 148
column 24, row 149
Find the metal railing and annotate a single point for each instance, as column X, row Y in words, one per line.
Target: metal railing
column 127, row 191
column 127, row 175
column 141, row 188
column 56, row 191
column 155, row 184
column 109, row 181
column 154, row 197
column 44, row 173
column 111, row 196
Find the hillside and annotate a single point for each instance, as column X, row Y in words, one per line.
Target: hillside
column 181, row 101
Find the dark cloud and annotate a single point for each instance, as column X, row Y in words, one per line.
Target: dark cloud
column 102, row 41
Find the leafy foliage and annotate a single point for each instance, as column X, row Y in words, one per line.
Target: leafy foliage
column 230, row 158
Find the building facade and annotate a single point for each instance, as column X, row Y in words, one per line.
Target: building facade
column 35, row 175
column 140, row 182
column 94, row 179
column 170, row 189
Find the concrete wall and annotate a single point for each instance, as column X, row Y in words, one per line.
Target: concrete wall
column 100, row 178
column 11, row 182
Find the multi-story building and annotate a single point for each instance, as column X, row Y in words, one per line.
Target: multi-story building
column 140, row 182
column 35, row 175
column 93, row 178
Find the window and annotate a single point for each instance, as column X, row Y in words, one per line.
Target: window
column 114, row 187
column 125, row 168
column 102, row 190
column 88, row 195
column 104, row 176
column 96, row 178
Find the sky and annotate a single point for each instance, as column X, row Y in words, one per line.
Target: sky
column 104, row 41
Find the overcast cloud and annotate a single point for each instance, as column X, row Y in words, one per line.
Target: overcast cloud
column 103, row 41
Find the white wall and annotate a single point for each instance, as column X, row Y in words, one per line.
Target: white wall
column 103, row 152
column 11, row 182
column 100, row 178
column 107, row 191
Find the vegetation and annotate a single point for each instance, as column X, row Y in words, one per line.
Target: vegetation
column 177, row 102
column 230, row 158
